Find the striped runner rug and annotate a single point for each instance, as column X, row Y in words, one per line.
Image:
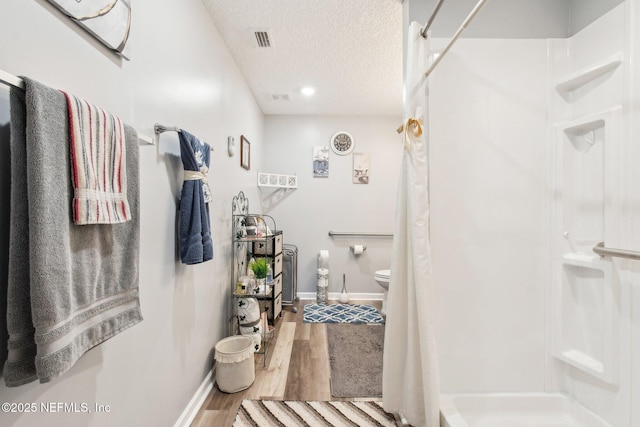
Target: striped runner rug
column 289, row 413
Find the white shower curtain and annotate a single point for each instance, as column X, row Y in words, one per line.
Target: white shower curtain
column 410, row 384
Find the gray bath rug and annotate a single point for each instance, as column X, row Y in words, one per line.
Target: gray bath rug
column 278, row 413
column 355, row 358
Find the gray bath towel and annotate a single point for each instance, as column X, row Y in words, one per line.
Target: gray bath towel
column 70, row 287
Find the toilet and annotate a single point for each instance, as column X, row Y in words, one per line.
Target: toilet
column 382, row 278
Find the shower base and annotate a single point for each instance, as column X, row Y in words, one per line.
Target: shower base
column 515, row 410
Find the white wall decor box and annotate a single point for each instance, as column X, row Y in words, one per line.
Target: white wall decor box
column 277, row 180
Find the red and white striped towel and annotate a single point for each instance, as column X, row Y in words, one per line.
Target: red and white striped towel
column 98, row 164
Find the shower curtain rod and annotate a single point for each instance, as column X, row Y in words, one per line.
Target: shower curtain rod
column 464, row 25
column 17, row 82
column 431, row 19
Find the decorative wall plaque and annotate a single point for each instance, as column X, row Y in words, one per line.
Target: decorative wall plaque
column 109, row 21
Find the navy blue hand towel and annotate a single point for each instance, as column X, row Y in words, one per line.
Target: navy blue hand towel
column 195, row 226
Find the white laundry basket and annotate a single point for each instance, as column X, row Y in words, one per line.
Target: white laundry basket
column 234, row 363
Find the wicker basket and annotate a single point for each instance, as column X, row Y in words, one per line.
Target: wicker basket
column 235, row 370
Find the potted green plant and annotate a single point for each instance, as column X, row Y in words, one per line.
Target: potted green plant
column 260, row 268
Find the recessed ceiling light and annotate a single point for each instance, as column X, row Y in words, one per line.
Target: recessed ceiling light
column 308, row 90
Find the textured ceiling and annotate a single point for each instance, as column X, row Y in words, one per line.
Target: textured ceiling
column 349, row 50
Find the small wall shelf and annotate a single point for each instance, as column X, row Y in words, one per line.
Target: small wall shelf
column 277, row 180
column 586, row 75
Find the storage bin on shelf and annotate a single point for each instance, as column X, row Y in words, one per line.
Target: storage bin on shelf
column 247, row 310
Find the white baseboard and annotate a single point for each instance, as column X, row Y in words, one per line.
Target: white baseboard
column 372, row 296
column 194, row 405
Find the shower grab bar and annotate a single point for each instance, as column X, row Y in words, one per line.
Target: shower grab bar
column 601, row 250
column 353, row 233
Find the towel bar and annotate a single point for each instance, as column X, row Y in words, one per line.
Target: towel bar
column 158, row 129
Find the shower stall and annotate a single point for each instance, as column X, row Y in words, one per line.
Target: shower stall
column 534, row 162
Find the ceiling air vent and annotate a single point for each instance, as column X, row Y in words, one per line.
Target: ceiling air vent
column 262, row 38
column 280, row 97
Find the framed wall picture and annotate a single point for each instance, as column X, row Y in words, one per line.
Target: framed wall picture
column 321, row 161
column 245, row 153
column 361, row 167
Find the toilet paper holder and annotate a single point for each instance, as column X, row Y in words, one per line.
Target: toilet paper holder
column 357, row 249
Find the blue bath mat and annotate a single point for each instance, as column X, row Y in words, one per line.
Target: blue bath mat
column 341, row 313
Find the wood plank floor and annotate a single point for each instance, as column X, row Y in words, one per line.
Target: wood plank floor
column 297, row 368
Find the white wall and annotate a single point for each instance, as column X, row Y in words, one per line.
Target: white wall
column 584, row 12
column 319, row 205
column 181, row 74
column 487, row 129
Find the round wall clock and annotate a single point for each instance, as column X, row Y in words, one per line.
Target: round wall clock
column 342, row 143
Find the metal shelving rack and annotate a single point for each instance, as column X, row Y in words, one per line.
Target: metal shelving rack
column 244, row 247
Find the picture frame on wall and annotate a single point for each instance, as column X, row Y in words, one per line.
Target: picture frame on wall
column 361, row 168
column 321, row 161
column 245, row 153
column 109, row 21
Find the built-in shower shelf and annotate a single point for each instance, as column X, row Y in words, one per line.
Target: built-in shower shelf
column 587, row 131
column 277, row 180
column 586, row 316
column 582, row 259
column 588, row 74
column 582, row 127
column 583, row 361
